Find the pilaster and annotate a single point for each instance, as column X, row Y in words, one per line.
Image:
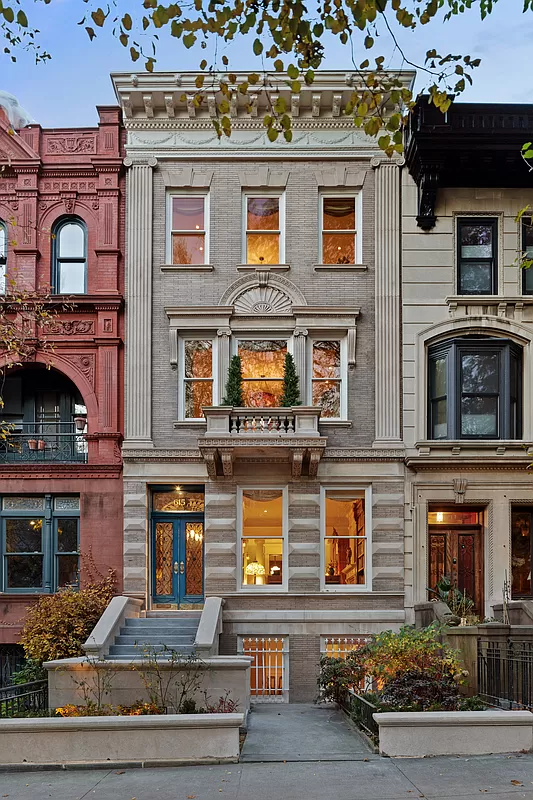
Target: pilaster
column 138, row 401
column 388, row 316
column 300, row 342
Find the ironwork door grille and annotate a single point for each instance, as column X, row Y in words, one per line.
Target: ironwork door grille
column 269, row 669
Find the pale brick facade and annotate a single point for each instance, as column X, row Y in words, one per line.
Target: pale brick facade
column 301, row 595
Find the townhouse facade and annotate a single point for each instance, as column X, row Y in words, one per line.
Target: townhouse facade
column 467, row 340
column 61, row 232
column 240, row 246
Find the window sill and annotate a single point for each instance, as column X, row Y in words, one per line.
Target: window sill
column 346, row 589
column 340, row 267
column 188, row 423
column 186, row 268
column 481, row 451
column 340, row 423
column 263, row 267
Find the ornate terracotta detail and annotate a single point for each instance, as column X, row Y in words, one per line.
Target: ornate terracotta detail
column 71, row 144
column 85, row 364
column 68, row 327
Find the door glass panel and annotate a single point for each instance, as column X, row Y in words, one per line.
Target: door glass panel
column 521, row 552
column 194, row 558
column 164, row 540
column 180, row 499
column 466, row 574
column 437, row 559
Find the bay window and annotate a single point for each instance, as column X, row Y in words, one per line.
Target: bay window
column 262, row 362
column 188, row 229
column 262, row 538
column 264, row 229
column 345, row 539
column 197, row 376
column 338, row 229
column 477, row 256
column 475, row 389
column 39, row 543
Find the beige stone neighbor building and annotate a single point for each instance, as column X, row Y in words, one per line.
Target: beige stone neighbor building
column 467, row 342
column 293, row 515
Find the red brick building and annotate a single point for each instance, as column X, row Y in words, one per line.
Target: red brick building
column 62, row 225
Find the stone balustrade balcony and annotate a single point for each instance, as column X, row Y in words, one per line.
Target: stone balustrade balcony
column 262, row 433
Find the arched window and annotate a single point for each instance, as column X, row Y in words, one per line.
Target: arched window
column 3, row 256
column 70, row 257
column 475, row 389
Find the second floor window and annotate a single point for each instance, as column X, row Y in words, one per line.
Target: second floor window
column 326, row 377
column 477, row 256
column 264, row 229
column 262, row 362
column 70, row 257
column 527, row 252
column 188, row 230
column 3, row 256
column 475, row 389
column 338, row 230
column 198, row 376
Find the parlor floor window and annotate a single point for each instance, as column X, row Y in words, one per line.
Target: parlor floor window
column 345, row 540
column 262, row 537
column 262, row 363
column 521, row 551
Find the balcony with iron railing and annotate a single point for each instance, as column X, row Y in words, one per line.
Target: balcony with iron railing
column 34, row 442
column 259, row 432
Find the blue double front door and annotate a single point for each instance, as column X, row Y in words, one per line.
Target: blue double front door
column 178, row 558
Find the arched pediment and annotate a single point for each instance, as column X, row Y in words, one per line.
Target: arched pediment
column 261, row 294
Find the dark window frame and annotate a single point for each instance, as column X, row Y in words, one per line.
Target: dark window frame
column 57, row 261
column 526, row 223
column 493, row 260
column 510, row 397
column 49, row 517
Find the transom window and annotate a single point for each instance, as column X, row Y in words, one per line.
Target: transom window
column 70, row 256
column 3, row 256
column 475, row 389
column 264, row 229
column 262, row 535
column 477, row 256
column 345, row 539
column 188, row 229
column 40, row 543
column 198, row 376
column 262, row 362
column 527, row 252
column 326, row 380
column 338, row 230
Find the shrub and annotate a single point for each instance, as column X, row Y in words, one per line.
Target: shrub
column 30, row 671
column 58, row 624
column 420, row 691
column 224, row 705
column 337, row 675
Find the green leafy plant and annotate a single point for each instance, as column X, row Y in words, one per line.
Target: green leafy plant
column 30, row 671
column 337, row 675
column 420, row 691
column 458, row 602
column 291, row 384
column 233, row 395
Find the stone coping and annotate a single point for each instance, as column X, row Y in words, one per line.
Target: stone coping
column 104, row 723
column 212, row 662
column 421, row 719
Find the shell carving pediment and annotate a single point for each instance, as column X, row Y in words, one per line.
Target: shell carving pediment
column 263, row 300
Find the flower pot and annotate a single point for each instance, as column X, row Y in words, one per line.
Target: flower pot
column 41, row 445
column 32, row 444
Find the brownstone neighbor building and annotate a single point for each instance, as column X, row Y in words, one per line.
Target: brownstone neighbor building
column 467, row 341
column 294, row 516
column 62, row 225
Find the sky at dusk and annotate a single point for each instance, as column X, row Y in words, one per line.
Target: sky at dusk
column 64, row 91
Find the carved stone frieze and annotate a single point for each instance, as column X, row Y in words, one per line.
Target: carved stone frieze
column 61, row 145
column 70, row 327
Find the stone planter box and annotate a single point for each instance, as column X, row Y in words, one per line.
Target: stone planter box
column 438, row 733
column 135, row 741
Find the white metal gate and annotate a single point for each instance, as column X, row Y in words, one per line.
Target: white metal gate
column 269, row 674
column 340, row 646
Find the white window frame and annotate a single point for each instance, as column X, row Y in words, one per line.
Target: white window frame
column 264, row 589
column 182, row 380
column 265, row 193
column 267, row 698
column 352, row 588
column 358, row 196
column 170, row 231
column 344, row 372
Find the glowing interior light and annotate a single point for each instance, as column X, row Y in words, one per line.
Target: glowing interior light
column 440, row 516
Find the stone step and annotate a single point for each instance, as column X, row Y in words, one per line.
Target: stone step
column 130, row 651
column 173, row 615
column 160, row 626
column 151, row 639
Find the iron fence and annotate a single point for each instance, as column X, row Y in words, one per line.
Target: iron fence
column 44, row 441
column 362, row 712
column 11, row 659
column 505, row 673
column 23, row 697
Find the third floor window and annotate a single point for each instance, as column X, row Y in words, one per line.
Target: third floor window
column 264, row 240
column 477, row 262
column 188, row 229
column 70, row 256
column 338, row 229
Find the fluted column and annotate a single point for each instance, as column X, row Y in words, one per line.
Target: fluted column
column 388, row 298
column 138, row 404
column 224, row 335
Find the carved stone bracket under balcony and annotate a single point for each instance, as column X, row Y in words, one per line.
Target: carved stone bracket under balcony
column 262, row 434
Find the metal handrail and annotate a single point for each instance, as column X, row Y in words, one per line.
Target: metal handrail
column 44, row 441
column 23, row 697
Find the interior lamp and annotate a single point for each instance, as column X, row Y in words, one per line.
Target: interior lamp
column 254, row 568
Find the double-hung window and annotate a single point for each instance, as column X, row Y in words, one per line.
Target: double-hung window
column 263, row 233
column 527, row 253
column 198, row 371
column 477, row 260
column 338, row 229
column 70, row 256
column 262, row 363
column 39, row 543
column 187, row 225
column 345, row 539
column 327, row 379
column 3, row 256
column 475, row 389
column 263, row 561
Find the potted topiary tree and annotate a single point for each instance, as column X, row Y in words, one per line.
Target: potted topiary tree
column 233, row 394
column 291, row 384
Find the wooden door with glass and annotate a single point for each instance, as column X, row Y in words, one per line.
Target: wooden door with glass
column 456, row 552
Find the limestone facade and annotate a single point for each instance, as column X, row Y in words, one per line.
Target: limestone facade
column 173, row 151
